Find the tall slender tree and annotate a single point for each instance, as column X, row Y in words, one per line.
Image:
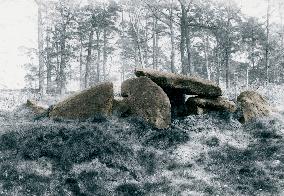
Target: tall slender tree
column 40, row 46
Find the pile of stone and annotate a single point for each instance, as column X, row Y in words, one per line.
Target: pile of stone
column 205, row 95
column 156, row 97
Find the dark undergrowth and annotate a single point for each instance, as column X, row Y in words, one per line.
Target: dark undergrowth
column 115, row 159
column 127, row 157
column 258, row 168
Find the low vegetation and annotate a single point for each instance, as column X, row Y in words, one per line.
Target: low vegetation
column 208, row 154
column 199, row 155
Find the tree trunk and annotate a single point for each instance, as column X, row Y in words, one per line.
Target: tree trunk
column 104, row 53
column 123, row 41
column 137, row 41
column 281, row 69
column 206, row 52
column 187, row 39
column 247, row 77
column 146, row 43
column 98, row 79
column 81, row 64
column 253, row 49
column 227, row 67
column 89, row 58
column 267, row 42
column 185, row 42
column 154, row 42
column 172, row 35
column 62, row 75
column 218, row 64
column 135, row 57
column 48, row 66
column 57, row 66
column 157, row 51
column 236, row 84
column 182, row 41
column 139, row 52
column 40, row 49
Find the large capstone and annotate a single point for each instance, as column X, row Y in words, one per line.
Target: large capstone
column 252, row 105
column 148, row 101
column 91, row 103
column 199, row 105
column 180, row 83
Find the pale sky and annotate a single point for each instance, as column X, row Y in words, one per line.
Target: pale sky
column 18, row 27
column 258, row 8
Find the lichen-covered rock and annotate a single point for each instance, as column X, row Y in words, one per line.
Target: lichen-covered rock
column 148, row 101
column 34, row 107
column 181, row 83
column 196, row 104
column 94, row 102
column 252, row 105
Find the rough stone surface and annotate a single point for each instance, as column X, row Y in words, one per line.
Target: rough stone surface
column 94, row 102
column 184, row 84
column 252, row 105
column 34, row 107
column 207, row 104
column 148, row 101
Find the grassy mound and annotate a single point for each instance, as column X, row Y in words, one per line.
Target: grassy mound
column 199, row 155
column 81, row 158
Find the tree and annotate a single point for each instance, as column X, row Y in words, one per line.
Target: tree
column 253, row 36
column 40, row 47
column 184, row 39
column 267, row 41
column 212, row 39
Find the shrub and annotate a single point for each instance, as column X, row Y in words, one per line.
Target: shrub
column 9, row 141
column 238, row 168
column 93, row 183
column 148, row 160
column 129, row 189
column 34, row 184
column 212, row 142
column 167, row 138
column 77, row 145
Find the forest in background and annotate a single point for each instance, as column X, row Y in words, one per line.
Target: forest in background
column 85, row 43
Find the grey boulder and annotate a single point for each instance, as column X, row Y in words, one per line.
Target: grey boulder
column 94, row 102
column 148, row 101
column 199, row 105
column 252, row 105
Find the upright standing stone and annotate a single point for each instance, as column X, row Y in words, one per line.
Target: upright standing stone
column 176, row 86
column 148, row 101
column 252, row 105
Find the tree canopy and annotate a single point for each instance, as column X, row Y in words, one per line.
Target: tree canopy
column 97, row 41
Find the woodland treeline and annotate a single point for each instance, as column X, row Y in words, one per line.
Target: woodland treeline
column 94, row 41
